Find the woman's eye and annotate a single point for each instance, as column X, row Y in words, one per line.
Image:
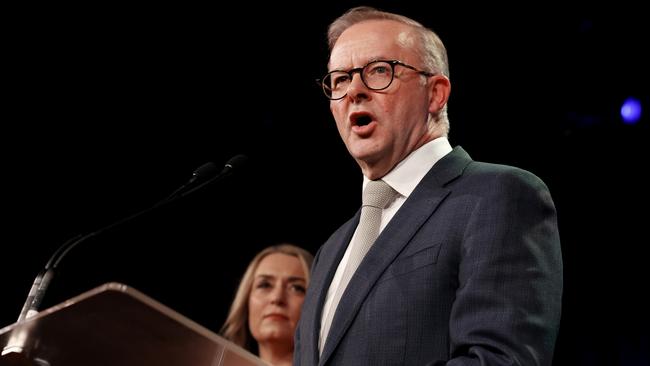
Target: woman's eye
column 298, row 288
column 263, row 284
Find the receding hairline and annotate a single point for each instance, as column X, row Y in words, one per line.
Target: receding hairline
column 362, row 14
column 406, row 29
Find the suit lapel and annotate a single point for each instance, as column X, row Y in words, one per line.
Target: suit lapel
column 420, row 205
column 318, row 286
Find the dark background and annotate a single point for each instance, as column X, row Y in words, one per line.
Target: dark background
column 107, row 110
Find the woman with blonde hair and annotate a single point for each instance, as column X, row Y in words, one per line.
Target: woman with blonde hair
column 265, row 312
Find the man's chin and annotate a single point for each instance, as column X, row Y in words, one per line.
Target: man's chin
column 364, row 151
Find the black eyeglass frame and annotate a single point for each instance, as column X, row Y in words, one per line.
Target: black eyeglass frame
column 359, row 70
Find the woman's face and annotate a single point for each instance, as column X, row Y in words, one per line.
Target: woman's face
column 276, row 298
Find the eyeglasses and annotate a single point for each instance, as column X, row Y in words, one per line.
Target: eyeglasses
column 376, row 75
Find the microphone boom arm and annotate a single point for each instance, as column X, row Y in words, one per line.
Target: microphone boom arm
column 43, row 279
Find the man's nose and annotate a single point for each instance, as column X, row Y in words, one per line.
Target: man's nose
column 357, row 88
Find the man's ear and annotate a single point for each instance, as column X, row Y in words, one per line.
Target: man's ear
column 439, row 88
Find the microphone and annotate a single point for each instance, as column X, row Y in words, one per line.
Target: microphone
column 203, row 175
column 200, row 174
column 206, row 174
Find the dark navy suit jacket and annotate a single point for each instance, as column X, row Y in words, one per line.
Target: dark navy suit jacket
column 467, row 272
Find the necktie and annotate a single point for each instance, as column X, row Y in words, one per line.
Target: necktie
column 376, row 196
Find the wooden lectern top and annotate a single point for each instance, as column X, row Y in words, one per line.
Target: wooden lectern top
column 115, row 324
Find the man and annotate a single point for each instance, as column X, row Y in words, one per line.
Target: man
column 467, row 269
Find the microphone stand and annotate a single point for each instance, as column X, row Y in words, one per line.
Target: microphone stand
column 44, row 277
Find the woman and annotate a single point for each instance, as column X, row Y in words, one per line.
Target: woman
column 264, row 315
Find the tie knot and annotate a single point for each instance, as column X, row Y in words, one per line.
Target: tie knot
column 378, row 194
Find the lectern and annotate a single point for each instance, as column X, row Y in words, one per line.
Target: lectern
column 112, row 325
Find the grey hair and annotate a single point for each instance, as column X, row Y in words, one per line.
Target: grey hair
column 431, row 50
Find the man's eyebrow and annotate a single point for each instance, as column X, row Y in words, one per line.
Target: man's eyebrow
column 373, row 59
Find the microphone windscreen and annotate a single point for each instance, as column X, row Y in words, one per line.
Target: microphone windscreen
column 236, row 162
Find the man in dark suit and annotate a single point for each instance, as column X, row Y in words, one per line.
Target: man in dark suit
column 467, row 268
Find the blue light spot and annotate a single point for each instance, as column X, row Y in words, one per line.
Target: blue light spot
column 631, row 111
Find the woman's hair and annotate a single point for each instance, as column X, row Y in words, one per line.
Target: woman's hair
column 235, row 327
column 431, row 50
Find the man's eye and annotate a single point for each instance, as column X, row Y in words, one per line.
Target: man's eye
column 338, row 80
column 379, row 70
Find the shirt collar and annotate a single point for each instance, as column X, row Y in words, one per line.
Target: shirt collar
column 406, row 175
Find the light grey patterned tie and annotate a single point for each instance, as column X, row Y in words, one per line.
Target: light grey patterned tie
column 376, row 196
